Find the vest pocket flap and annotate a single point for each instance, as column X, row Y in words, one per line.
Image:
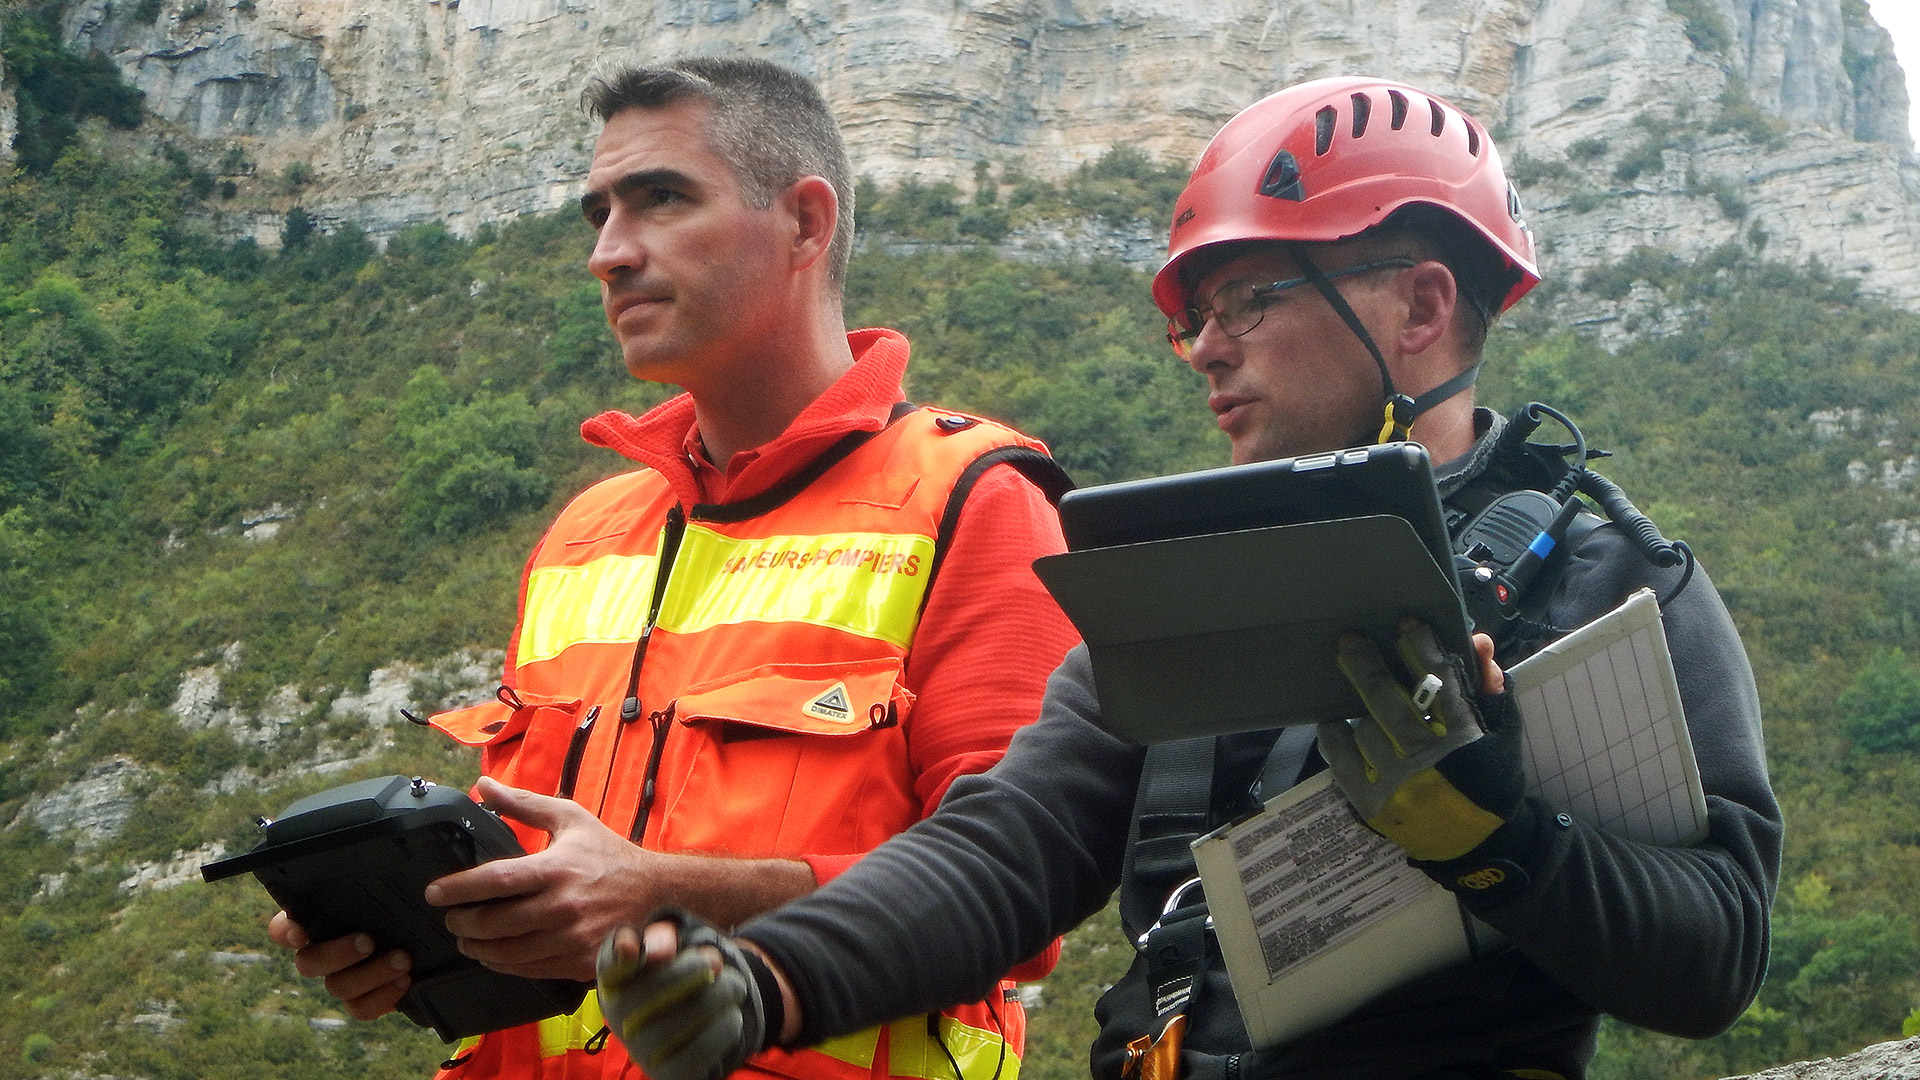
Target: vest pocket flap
column 802, row 699
column 496, row 721
column 888, row 490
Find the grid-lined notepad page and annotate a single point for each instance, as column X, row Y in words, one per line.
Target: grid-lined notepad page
column 1606, row 739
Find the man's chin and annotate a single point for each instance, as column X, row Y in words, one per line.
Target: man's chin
column 649, row 364
column 1250, row 450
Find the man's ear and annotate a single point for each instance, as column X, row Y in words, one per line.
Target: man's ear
column 1432, row 298
column 815, row 210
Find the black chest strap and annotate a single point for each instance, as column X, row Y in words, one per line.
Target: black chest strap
column 1172, row 807
column 1162, row 905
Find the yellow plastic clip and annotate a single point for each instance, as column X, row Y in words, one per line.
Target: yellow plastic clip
column 1396, row 424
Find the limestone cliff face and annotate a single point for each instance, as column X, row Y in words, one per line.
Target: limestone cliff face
column 8, row 118
column 1785, row 120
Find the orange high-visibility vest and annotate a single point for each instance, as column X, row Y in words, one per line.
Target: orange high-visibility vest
column 769, row 716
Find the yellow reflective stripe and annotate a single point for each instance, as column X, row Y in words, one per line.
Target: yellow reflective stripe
column 857, row 1049
column 602, row 601
column 559, row 1034
column 979, row 1053
column 869, row 584
column 465, row 1046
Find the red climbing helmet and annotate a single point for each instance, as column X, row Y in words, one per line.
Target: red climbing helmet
column 1328, row 159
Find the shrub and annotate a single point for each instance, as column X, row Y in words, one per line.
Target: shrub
column 1588, row 149
column 1704, row 27
column 57, row 89
column 1881, row 710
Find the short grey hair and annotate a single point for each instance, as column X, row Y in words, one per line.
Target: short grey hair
column 768, row 122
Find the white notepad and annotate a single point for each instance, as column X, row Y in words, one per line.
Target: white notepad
column 1606, row 737
column 1316, row 914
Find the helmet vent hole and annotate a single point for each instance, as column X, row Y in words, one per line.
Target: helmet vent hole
column 1473, row 139
column 1439, row 117
column 1323, row 122
column 1362, row 109
column 1399, row 101
column 1282, row 180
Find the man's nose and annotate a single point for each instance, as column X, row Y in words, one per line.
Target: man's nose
column 1212, row 347
column 616, row 251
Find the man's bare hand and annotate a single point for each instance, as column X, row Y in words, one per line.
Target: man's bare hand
column 543, row 916
column 367, row 985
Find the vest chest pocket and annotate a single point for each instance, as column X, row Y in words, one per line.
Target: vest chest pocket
column 523, row 741
column 791, row 759
column 801, row 699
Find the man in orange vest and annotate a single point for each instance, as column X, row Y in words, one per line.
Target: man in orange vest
column 745, row 664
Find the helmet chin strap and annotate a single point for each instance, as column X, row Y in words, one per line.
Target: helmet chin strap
column 1401, row 411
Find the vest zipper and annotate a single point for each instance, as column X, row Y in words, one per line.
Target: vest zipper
column 576, row 749
column 662, row 722
column 670, row 536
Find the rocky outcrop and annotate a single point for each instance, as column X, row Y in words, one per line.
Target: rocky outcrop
column 182, row 868
column 90, row 810
column 1887, row 1061
column 464, row 676
column 465, row 111
column 9, row 117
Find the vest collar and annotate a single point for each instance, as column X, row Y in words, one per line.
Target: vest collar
column 860, row 400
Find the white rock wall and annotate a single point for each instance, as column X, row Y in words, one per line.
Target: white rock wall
column 8, row 118
column 466, row 111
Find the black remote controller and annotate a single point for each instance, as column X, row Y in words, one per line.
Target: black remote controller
column 358, row 858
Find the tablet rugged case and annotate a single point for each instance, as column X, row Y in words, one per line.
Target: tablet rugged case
column 358, row 858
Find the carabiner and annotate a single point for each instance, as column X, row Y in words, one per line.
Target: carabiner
column 1175, row 900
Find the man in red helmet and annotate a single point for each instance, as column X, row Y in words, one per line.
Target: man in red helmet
column 1334, row 263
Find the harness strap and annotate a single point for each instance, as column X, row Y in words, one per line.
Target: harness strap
column 1399, row 415
column 1173, row 807
column 1170, row 810
column 1447, row 389
column 1286, row 760
column 1401, row 411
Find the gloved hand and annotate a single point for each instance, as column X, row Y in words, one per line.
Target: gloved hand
column 1433, row 769
column 682, row 1020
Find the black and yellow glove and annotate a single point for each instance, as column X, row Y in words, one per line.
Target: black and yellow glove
column 1434, row 768
column 682, row 1019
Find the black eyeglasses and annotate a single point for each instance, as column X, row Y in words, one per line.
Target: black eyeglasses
column 1240, row 305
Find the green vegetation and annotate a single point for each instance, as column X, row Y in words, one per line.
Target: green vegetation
column 1649, row 154
column 1122, row 188
column 1739, row 113
column 57, row 89
column 410, row 415
column 1594, row 168
column 1705, row 28
column 1881, row 709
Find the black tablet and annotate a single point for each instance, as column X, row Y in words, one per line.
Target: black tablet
column 1394, row 478
column 358, row 858
column 1211, row 602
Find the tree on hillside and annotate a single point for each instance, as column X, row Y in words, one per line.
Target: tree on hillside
column 57, row 89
